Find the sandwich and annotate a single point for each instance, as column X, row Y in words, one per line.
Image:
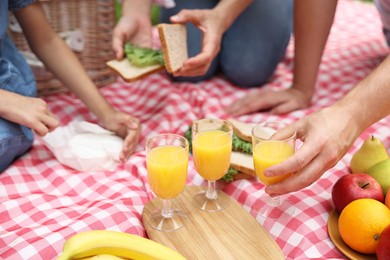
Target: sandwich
column 173, row 38
column 241, row 159
column 140, row 62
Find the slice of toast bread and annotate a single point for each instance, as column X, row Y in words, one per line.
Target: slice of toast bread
column 242, row 130
column 243, row 163
column 173, row 38
column 130, row 72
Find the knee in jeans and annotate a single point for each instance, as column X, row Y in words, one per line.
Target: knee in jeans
column 12, row 148
column 247, row 76
column 191, row 79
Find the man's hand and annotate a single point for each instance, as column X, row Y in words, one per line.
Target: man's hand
column 135, row 29
column 276, row 102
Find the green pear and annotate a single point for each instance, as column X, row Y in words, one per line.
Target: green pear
column 381, row 172
column 371, row 152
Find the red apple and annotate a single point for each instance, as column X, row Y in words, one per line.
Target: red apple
column 383, row 247
column 355, row 186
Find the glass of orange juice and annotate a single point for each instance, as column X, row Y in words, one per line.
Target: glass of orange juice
column 167, row 166
column 272, row 144
column 211, row 148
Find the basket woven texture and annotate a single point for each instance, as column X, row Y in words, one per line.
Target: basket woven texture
column 86, row 26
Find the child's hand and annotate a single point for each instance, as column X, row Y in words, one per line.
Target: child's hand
column 127, row 127
column 28, row 111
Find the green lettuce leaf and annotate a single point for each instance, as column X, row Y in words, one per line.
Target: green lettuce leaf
column 142, row 57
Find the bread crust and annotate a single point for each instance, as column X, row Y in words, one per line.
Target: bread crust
column 242, row 130
column 243, row 163
column 123, row 68
column 180, row 34
column 164, row 48
column 244, row 172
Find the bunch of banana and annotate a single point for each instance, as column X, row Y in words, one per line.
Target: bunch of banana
column 119, row 244
column 103, row 257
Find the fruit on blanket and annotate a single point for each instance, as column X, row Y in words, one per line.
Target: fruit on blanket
column 387, row 198
column 351, row 187
column 383, row 247
column 97, row 242
column 361, row 224
column 371, row 152
column 381, row 172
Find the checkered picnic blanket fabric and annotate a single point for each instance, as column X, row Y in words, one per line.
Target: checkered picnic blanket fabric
column 42, row 203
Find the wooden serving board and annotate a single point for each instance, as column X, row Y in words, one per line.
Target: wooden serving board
column 228, row 234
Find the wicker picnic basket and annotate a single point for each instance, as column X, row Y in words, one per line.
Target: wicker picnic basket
column 86, row 26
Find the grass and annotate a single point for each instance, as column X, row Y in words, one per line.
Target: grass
column 154, row 12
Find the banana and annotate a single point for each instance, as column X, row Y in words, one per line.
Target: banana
column 103, row 257
column 97, row 242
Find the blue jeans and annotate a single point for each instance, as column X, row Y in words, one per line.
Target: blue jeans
column 383, row 7
column 16, row 77
column 251, row 48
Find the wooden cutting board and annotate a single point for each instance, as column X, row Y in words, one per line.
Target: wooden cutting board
column 228, row 234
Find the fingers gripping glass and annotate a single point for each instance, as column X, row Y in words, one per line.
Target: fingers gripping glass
column 270, row 149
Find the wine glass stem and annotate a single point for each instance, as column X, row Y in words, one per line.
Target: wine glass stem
column 211, row 193
column 274, row 201
column 167, row 211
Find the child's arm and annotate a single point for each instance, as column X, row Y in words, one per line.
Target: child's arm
column 64, row 64
column 27, row 111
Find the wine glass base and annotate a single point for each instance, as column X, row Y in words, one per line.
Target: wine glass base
column 176, row 221
column 211, row 205
column 268, row 208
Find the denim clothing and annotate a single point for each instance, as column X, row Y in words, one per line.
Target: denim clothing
column 383, row 7
column 251, row 48
column 15, row 76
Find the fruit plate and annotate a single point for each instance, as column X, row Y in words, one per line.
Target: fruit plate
column 333, row 230
column 228, row 234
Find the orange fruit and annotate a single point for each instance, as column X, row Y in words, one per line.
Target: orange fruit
column 361, row 222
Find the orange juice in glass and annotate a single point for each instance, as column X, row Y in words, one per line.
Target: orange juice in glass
column 167, row 170
column 273, row 142
column 211, row 148
column 268, row 153
column 212, row 151
column 167, row 166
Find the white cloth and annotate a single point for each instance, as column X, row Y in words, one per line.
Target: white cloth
column 165, row 3
column 85, row 146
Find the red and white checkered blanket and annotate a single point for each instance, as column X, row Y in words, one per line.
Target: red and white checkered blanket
column 42, row 203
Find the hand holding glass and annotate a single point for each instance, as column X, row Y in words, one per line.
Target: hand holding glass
column 211, row 147
column 272, row 144
column 167, row 166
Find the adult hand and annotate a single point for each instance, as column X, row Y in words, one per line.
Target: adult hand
column 28, row 111
column 327, row 136
column 277, row 102
column 136, row 29
column 211, row 23
column 127, row 127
